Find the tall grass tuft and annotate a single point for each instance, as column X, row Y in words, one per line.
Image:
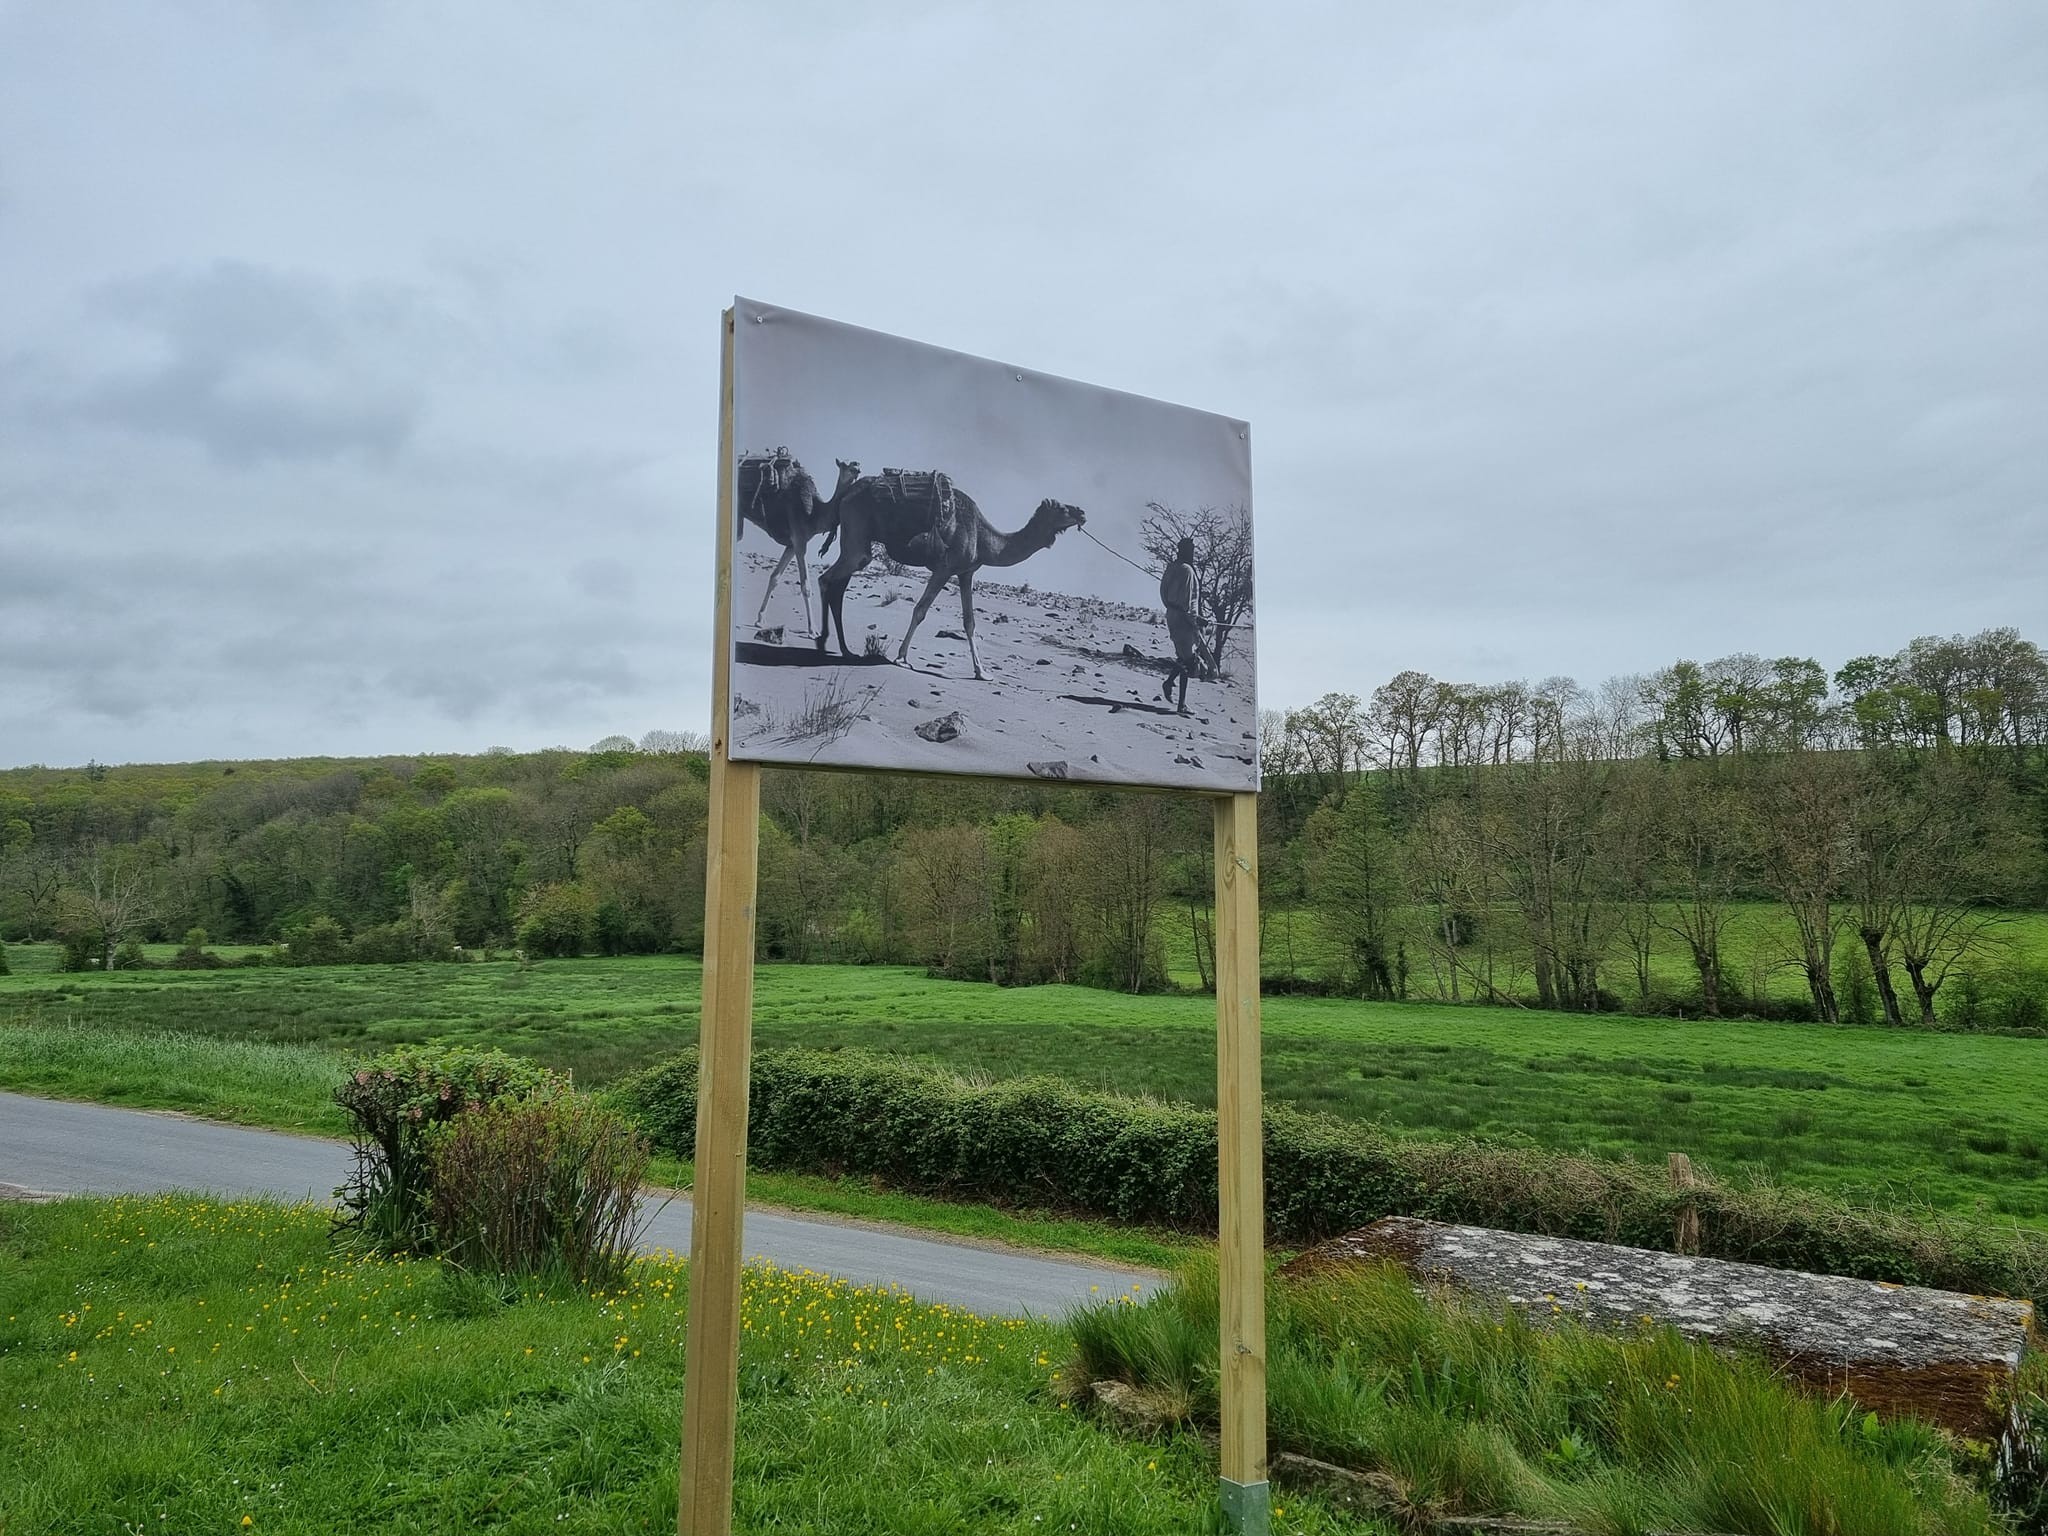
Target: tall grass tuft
column 525, row 1188
column 1461, row 1408
column 232, row 1079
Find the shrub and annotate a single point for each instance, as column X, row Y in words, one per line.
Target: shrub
column 1042, row 1142
column 395, row 1103
column 523, row 1187
column 82, row 950
column 193, row 955
column 3, row 961
column 2006, row 999
column 129, row 957
column 557, row 920
column 322, row 941
column 385, row 944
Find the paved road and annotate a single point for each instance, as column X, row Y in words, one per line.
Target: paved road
column 68, row 1148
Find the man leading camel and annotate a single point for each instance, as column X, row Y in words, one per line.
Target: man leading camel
column 1180, row 591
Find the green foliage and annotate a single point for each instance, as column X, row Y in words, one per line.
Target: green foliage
column 383, row 944
column 3, row 960
column 516, row 1407
column 1462, row 1408
column 1854, row 988
column 1043, row 1142
column 82, row 950
column 130, row 957
column 1355, row 887
column 193, row 955
column 395, row 1104
column 2022, row 1464
column 2011, row 998
column 532, row 1186
column 286, row 1086
column 321, row 941
column 433, row 780
column 557, row 920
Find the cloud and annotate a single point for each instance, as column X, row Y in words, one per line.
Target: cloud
column 358, row 381
column 256, row 365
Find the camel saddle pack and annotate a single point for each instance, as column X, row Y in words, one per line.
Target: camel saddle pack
column 763, row 477
column 931, row 489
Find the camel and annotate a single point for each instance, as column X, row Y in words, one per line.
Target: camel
column 778, row 496
column 933, row 525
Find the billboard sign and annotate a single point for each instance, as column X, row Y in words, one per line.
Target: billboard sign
column 952, row 565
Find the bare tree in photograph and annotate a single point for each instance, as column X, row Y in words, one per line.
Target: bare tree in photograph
column 1223, row 561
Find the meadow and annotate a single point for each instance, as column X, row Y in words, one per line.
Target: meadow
column 1957, row 1121
column 174, row 1364
column 1759, row 955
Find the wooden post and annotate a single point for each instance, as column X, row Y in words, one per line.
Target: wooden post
column 711, row 1344
column 1685, row 1232
column 1241, row 1185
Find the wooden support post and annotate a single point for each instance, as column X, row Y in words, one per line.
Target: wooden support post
column 1241, row 1185
column 711, row 1344
column 1685, row 1233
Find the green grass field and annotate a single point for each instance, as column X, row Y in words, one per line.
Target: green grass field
column 1759, row 960
column 169, row 1364
column 1959, row 1121
column 173, row 1363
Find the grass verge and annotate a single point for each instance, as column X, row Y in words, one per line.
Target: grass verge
column 173, row 1364
column 279, row 1087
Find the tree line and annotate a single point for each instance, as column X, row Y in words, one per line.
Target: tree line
column 1504, row 843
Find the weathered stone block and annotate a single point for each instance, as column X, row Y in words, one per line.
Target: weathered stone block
column 1942, row 1356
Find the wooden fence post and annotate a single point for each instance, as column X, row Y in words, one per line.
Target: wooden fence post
column 1240, row 1134
column 1685, row 1233
column 718, row 1197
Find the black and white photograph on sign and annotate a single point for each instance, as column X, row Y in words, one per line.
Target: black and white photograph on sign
column 951, row 565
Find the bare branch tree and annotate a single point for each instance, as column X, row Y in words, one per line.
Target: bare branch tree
column 113, row 894
column 1223, row 560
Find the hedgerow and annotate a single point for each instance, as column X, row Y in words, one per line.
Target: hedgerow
column 1040, row 1142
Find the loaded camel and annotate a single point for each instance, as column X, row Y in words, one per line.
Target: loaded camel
column 778, row 496
column 920, row 519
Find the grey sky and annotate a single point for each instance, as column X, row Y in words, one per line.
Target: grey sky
column 358, row 363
